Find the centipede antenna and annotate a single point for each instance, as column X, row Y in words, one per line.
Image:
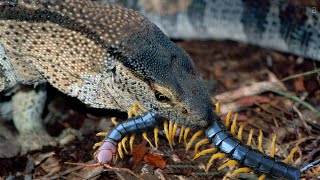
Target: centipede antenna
column 193, row 138
column 181, row 133
column 314, row 163
column 145, row 136
column 156, row 138
column 200, row 143
column 132, row 137
column 123, row 142
column 228, row 119
column 185, row 135
column 234, row 124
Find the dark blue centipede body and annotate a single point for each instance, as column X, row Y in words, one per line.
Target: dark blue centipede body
column 225, row 142
column 139, row 124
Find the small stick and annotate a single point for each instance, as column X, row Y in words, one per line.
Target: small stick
column 106, row 166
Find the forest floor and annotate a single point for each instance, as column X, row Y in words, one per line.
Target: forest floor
column 266, row 89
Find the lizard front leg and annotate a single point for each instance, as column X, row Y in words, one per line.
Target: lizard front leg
column 27, row 109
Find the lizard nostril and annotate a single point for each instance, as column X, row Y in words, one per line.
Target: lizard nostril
column 184, row 111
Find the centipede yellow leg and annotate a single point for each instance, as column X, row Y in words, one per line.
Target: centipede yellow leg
column 290, row 156
column 114, row 121
column 193, row 138
column 213, row 157
column 228, row 163
column 272, row 153
column 98, row 144
column 185, row 135
column 200, row 143
column 204, row 152
column 123, row 142
column 95, row 153
column 132, row 137
column 139, row 106
column 166, row 130
column 240, row 131
column 102, row 134
column 181, row 133
column 260, row 139
column 249, row 142
column 135, row 109
column 234, row 124
column 120, row 150
column 273, row 145
column 262, row 177
column 218, row 111
column 145, row 136
column 240, row 170
column 156, row 138
column 170, row 132
column 174, row 131
column 227, row 124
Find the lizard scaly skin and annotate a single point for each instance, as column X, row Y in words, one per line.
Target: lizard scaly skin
column 275, row 24
column 104, row 55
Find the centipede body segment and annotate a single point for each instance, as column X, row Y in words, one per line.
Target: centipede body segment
column 245, row 155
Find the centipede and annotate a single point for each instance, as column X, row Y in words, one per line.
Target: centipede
column 225, row 144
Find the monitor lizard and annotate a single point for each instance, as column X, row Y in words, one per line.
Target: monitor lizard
column 108, row 57
column 104, row 55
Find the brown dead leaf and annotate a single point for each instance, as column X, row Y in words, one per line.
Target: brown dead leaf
column 155, row 160
column 138, row 153
column 299, row 84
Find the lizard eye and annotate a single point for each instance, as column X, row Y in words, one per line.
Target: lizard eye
column 160, row 97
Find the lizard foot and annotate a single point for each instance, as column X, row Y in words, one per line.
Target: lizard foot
column 35, row 140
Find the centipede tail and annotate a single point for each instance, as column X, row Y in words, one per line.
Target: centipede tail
column 225, row 142
column 138, row 124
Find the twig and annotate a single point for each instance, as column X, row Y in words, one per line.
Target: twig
column 253, row 89
column 295, row 98
column 302, row 119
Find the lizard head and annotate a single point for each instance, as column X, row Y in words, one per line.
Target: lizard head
column 161, row 76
